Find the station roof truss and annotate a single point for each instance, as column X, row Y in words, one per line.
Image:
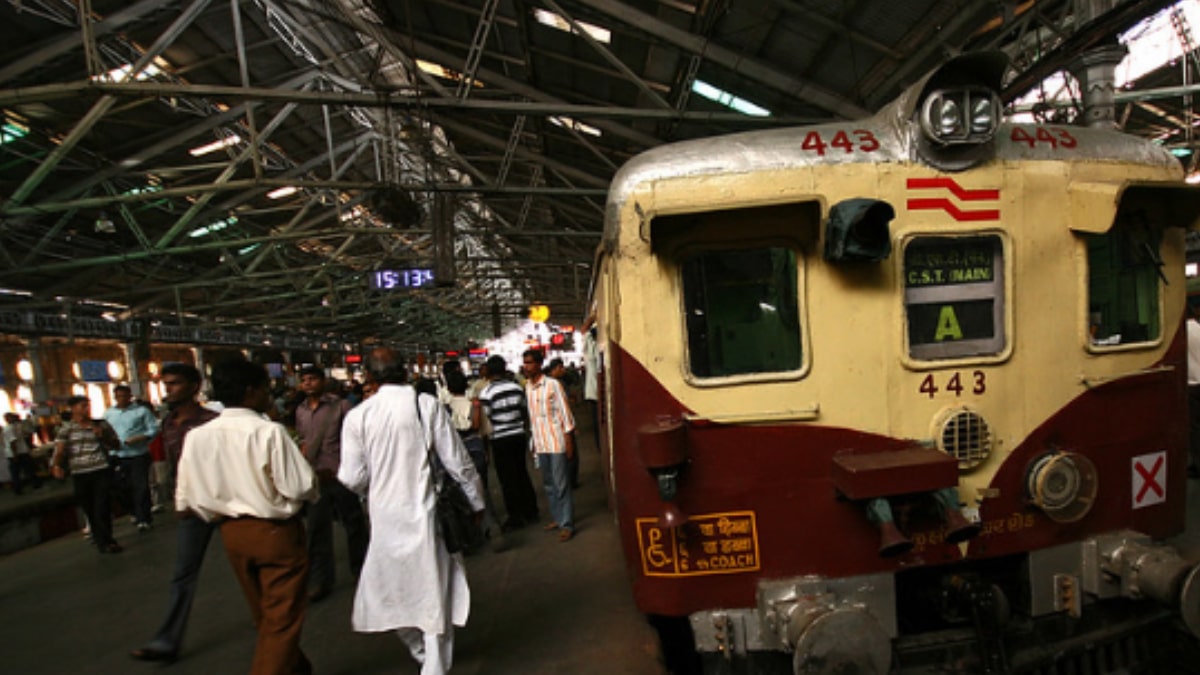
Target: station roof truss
column 225, row 163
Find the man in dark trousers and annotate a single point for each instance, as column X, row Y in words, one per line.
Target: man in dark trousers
column 504, row 404
column 319, row 425
column 246, row 473
column 182, row 384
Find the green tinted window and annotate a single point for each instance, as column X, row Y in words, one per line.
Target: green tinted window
column 1123, row 276
column 742, row 312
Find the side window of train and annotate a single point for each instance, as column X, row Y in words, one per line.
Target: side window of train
column 742, row 311
column 954, row 296
column 1123, row 275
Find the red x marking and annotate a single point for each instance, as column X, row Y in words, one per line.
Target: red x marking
column 1151, row 478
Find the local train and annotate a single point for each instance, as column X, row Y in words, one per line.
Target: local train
column 904, row 394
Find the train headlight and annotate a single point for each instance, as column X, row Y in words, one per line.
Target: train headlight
column 1063, row 485
column 960, row 116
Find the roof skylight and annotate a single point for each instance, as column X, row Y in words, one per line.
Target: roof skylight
column 438, row 70
column 232, row 139
column 122, row 73
column 548, row 18
column 570, row 123
column 728, row 100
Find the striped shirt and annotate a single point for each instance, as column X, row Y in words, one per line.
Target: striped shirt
column 504, row 404
column 549, row 415
column 82, row 448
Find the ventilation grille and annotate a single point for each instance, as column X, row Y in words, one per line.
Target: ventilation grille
column 965, row 436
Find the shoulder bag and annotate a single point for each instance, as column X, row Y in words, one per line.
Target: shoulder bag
column 455, row 515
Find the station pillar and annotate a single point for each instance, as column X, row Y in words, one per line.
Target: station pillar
column 134, row 370
column 41, row 388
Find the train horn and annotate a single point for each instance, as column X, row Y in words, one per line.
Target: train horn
column 892, row 541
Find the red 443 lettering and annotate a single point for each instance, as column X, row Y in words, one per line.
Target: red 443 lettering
column 857, row 139
column 1054, row 137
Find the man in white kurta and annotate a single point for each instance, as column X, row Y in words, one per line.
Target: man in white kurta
column 409, row 582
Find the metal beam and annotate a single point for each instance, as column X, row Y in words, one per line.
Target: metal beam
column 61, row 45
column 384, row 99
column 740, row 64
column 84, row 126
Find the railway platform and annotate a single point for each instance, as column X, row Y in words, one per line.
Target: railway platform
column 539, row 606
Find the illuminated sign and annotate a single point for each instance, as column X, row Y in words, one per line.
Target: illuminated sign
column 386, row 280
column 539, row 313
column 354, row 358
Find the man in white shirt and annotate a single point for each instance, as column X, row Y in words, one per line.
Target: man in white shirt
column 245, row 472
column 409, row 582
column 16, row 449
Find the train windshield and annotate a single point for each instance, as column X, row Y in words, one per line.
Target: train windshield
column 742, row 311
column 954, row 296
column 1123, row 275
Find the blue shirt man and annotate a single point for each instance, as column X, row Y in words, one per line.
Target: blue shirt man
column 135, row 426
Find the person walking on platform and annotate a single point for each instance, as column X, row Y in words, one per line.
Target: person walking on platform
column 245, row 472
column 551, row 426
column 504, row 404
column 410, row 583
column 135, row 426
column 1193, row 389
column 16, row 448
column 319, row 425
column 83, row 445
column 182, row 384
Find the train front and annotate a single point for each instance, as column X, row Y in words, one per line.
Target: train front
column 899, row 393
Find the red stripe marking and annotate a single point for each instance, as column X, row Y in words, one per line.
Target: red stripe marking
column 958, row 190
column 955, row 212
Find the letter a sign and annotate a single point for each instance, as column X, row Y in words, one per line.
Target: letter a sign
column 1149, row 479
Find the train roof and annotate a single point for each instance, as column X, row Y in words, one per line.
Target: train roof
column 896, row 134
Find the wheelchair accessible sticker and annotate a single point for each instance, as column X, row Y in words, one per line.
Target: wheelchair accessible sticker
column 715, row 543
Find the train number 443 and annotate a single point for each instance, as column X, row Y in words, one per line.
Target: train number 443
column 975, row 383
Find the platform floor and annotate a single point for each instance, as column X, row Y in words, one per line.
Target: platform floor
column 538, row 607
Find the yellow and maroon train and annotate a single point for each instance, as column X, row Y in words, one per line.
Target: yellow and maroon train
column 902, row 393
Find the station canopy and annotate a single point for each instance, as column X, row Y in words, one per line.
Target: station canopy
column 421, row 172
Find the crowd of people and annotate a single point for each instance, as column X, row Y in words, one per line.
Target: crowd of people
column 274, row 470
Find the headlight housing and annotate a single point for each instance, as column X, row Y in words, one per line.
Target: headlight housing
column 960, row 116
column 1063, row 485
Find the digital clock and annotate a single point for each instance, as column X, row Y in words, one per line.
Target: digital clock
column 386, row 280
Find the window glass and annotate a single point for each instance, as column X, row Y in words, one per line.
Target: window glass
column 1123, row 275
column 954, row 296
column 742, row 312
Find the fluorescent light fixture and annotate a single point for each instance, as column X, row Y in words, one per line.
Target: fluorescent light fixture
column 548, row 18
column 11, row 130
column 285, row 191
column 216, row 226
column 216, row 145
column 1190, row 270
column 249, row 249
column 576, row 125
column 1192, row 179
column 728, row 100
